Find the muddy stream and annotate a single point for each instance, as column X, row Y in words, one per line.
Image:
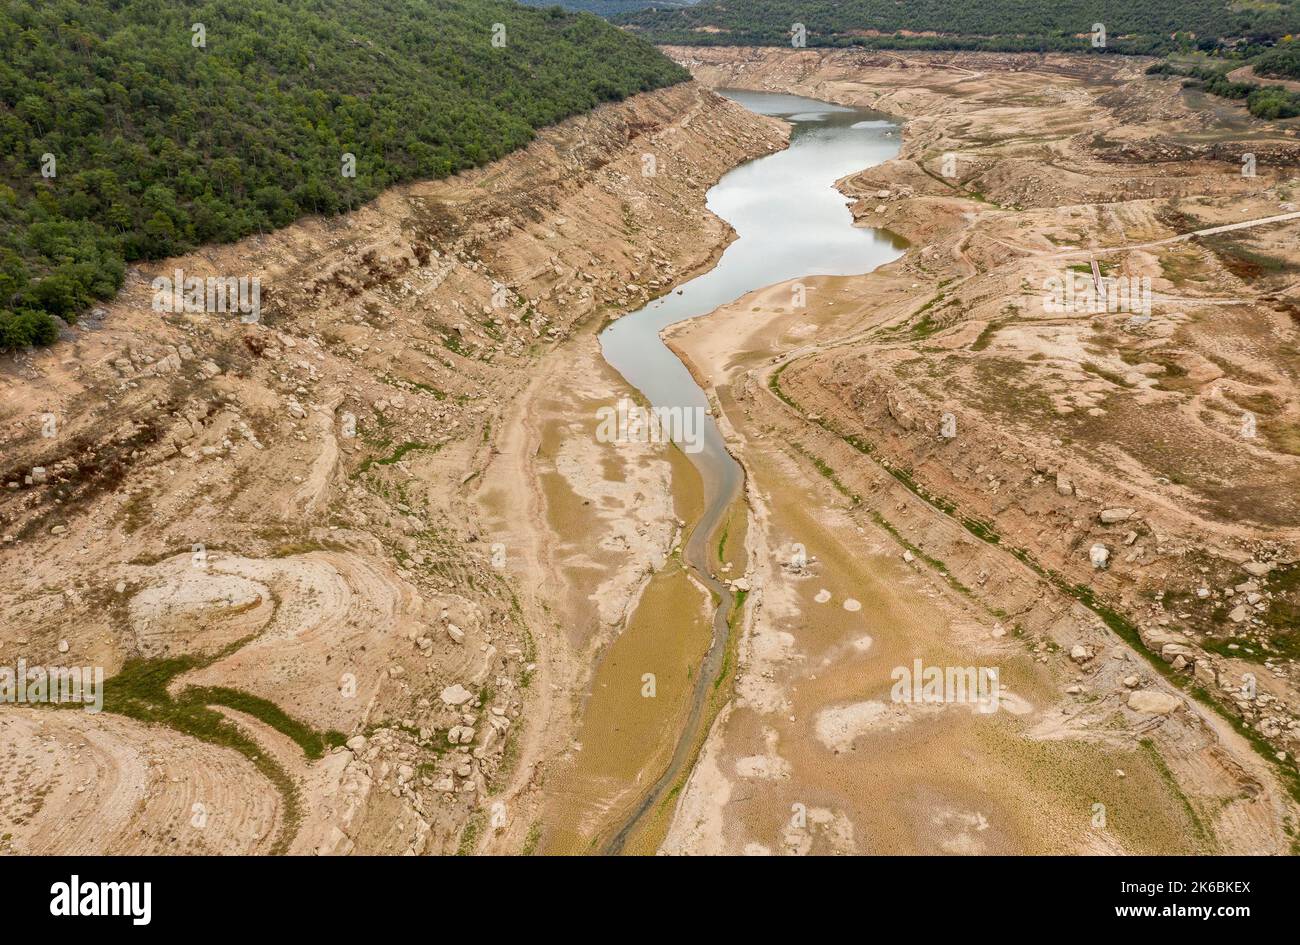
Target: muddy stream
column 790, row 221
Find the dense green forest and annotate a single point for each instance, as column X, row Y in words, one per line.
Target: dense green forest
column 609, row 7
column 1280, row 63
column 128, row 131
column 1132, row 26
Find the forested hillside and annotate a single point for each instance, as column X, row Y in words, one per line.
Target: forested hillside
column 1137, row 26
column 609, row 7
column 1281, row 63
column 133, row 129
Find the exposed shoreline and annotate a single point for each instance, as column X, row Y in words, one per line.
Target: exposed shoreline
column 716, row 348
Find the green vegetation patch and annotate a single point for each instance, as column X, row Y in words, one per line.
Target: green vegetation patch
column 139, row 691
column 140, row 129
column 1281, row 62
column 395, row 456
column 1147, row 27
column 1269, row 102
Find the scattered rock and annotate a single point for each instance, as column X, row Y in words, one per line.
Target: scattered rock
column 460, row 734
column 456, row 695
column 1153, row 702
column 1157, row 638
column 1171, row 651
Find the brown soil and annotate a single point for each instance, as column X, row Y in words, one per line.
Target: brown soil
column 349, row 581
column 1059, row 160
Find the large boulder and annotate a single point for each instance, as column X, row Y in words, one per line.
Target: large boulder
column 1171, row 651
column 1153, row 701
column 1157, row 638
column 456, row 695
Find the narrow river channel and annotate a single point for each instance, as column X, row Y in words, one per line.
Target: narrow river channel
column 790, row 221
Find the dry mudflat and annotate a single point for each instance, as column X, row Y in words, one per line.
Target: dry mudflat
column 945, row 466
column 364, row 579
column 346, row 587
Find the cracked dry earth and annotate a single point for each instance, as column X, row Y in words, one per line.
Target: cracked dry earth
column 1156, row 677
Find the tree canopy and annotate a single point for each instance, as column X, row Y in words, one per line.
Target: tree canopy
column 1283, row 62
column 608, row 8
column 1134, row 26
column 139, row 129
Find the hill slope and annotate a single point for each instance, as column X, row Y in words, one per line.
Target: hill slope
column 1280, row 63
column 127, row 131
column 608, row 8
column 1131, row 25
